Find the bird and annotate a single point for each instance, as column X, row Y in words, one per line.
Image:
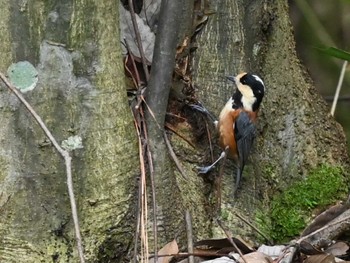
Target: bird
column 237, row 122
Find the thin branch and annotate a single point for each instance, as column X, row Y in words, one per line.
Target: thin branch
column 144, row 207
column 335, row 222
column 137, row 79
column 174, row 157
column 153, row 188
column 342, row 98
column 229, row 238
column 340, row 83
column 188, row 220
column 252, row 226
column 171, row 128
column 138, row 39
column 195, row 254
column 209, row 139
column 138, row 218
column 67, row 159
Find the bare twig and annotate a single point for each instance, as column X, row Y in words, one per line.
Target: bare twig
column 137, row 79
column 138, row 222
column 174, row 157
column 335, row 222
column 209, row 139
column 138, row 39
column 171, row 128
column 337, row 91
column 144, row 207
column 188, row 220
column 153, row 188
column 138, row 219
column 342, row 98
column 195, row 254
column 151, row 113
column 175, row 116
column 229, row 238
column 67, row 159
column 252, row 226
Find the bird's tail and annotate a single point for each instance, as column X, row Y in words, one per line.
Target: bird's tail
column 239, row 171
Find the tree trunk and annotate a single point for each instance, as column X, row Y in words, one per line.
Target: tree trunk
column 296, row 132
column 75, row 48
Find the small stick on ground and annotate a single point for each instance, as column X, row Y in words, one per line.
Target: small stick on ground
column 188, row 220
column 252, row 226
column 229, row 238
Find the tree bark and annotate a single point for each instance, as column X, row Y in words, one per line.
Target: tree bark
column 296, row 131
column 75, row 48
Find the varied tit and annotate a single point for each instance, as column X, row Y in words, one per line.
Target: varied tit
column 236, row 125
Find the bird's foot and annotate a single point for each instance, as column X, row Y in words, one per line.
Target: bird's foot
column 205, row 169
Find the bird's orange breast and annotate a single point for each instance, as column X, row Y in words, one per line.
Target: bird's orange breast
column 226, row 127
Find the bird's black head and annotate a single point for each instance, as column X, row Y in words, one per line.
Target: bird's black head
column 252, row 89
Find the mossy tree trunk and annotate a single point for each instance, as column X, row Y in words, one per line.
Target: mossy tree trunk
column 296, row 132
column 75, row 47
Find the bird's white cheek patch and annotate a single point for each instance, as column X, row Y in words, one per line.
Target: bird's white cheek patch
column 246, row 91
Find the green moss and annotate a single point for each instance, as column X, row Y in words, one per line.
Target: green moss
column 289, row 211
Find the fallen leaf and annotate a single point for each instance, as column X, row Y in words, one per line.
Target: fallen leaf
column 127, row 33
column 338, row 249
column 150, row 13
column 221, row 244
column 308, row 249
column 272, row 251
column 325, row 217
column 220, row 260
column 256, row 257
column 322, row 258
column 170, row 248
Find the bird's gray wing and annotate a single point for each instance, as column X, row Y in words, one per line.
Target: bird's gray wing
column 245, row 132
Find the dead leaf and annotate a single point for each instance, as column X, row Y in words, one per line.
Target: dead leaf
column 150, row 13
column 256, row 257
column 325, row 217
column 127, row 33
column 272, row 251
column 224, row 244
column 220, row 260
column 308, row 249
column 138, row 4
column 338, row 249
column 170, row 248
column 324, row 258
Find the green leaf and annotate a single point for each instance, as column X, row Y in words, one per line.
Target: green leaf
column 336, row 52
column 23, row 75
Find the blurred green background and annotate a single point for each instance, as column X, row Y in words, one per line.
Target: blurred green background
column 324, row 24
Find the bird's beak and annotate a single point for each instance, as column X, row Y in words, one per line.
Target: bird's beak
column 232, row 78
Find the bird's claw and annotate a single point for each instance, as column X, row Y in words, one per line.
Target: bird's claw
column 204, row 169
